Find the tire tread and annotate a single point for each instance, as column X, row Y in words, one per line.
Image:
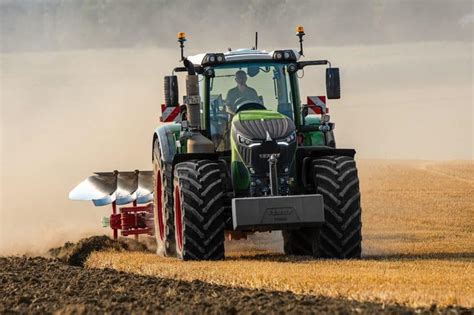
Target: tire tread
column 202, row 208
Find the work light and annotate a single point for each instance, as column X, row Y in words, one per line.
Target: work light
column 287, row 55
column 212, row 59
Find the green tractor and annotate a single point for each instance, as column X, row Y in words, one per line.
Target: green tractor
column 240, row 155
column 245, row 156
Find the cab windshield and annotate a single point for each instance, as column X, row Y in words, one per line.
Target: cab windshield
column 237, row 87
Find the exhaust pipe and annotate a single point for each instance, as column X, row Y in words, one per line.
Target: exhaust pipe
column 193, row 102
column 197, row 143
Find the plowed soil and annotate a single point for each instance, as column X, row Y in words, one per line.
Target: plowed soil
column 39, row 285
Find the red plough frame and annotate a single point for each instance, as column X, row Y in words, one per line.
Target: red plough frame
column 134, row 220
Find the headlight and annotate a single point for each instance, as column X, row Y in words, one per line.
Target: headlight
column 291, row 137
column 247, row 142
column 326, row 118
column 288, row 139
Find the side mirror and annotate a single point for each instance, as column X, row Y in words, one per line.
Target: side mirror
column 171, row 91
column 333, row 85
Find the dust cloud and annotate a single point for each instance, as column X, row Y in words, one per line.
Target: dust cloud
column 84, row 99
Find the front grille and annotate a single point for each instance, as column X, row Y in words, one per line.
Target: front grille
column 246, row 154
column 251, row 155
column 257, row 129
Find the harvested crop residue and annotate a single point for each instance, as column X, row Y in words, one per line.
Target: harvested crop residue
column 418, row 245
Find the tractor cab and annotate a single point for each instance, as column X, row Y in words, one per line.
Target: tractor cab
column 248, row 79
column 249, row 103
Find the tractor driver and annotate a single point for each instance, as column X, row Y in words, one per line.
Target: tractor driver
column 241, row 93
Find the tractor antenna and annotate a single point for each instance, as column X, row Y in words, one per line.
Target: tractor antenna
column 256, row 41
column 300, row 33
column 181, row 40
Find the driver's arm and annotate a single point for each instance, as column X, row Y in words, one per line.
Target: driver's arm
column 253, row 95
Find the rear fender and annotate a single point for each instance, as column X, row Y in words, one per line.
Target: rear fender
column 167, row 136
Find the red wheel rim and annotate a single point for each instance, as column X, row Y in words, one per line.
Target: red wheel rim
column 159, row 203
column 178, row 218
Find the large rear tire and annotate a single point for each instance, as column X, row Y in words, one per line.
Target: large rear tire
column 163, row 204
column 334, row 177
column 199, row 210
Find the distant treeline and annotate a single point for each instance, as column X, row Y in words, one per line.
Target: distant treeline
column 30, row 25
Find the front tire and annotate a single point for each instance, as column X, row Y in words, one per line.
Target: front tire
column 335, row 177
column 199, row 210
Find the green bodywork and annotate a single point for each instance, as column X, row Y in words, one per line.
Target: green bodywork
column 240, row 173
column 258, row 115
column 313, row 138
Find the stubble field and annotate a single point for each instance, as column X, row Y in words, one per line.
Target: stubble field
column 418, row 245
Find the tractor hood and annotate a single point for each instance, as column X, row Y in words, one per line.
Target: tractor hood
column 263, row 125
column 258, row 135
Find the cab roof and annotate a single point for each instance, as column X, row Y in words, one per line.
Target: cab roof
column 242, row 54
